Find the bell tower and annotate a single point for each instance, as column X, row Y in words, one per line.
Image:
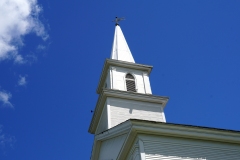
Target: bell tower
column 124, row 90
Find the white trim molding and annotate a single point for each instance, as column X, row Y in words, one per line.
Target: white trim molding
column 141, row 149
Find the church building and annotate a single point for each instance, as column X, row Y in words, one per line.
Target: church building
column 129, row 121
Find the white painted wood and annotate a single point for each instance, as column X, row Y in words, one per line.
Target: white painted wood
column 103, row 123
column 108, row 115
column 111, row 78
column 134, row 152
column 144, row 82
column 147, row 84
column 122, row 110
column 113, row 69
column 141, row 149
column 120, row 49
column 163, row 115
column 143, row 99
column 113, row 63
column 117, row 76
column 108, row 80
column 110, row 148
column 136, row 156
column 169, row 148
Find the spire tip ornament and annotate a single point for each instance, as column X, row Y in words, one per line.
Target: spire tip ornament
column 117, row 20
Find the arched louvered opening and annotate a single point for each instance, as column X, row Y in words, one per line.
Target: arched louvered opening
column 130, row 83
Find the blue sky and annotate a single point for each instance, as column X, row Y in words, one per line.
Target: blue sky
column 52, row 54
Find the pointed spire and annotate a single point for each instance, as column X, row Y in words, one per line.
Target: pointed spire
column 120, row 49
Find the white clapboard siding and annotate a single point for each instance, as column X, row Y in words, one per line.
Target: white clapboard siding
column 122, row 110
column 134, row 153
column 103, row 123
column 110, row 148
column 184, row 149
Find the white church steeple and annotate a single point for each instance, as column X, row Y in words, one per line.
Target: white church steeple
column 124, row 90
column 128, row 121
column 120, row 49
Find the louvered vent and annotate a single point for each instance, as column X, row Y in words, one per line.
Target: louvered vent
column 129, row 76
column 130, row 83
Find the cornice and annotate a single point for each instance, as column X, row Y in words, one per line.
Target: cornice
column 120, row 129
column 176, row 130
column 123, row 95
column 136, row 96
column 118, row 63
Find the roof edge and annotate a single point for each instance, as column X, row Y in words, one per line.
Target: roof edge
column 176, row 130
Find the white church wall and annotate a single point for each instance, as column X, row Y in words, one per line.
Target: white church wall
column 122, row 110
column 136, row 157
column 117, row 79
column 108, row 81
column 110, row 148
column 141, row 85
column 161, row 147
column 141, row 79
column 147, row 84
column 103, row 122
column 134, row 153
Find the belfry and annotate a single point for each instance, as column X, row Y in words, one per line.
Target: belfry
column 129, row 121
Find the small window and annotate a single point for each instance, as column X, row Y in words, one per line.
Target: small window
column 130, row 83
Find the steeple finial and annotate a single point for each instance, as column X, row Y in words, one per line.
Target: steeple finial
column 117, row 20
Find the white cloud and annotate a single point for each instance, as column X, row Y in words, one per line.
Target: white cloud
column 41, row 47
column 18, row 18
column 22, row 81
column 5, row 97
column 6, row 140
